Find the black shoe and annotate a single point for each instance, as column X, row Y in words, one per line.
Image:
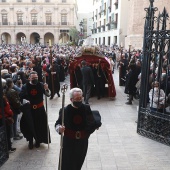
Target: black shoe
column 37, row 145
column 98, row 98
column 58, row 94
column 12, row 150
column 30, row 145
column 18, row 137
column 129, row 103
column 51, row 98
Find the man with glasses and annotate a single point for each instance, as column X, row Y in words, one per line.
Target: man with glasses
column 79, row 123
column 34, row 119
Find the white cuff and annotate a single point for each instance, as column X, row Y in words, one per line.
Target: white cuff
column 57, row 128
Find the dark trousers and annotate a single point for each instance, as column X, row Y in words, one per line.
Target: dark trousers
column 86, row 92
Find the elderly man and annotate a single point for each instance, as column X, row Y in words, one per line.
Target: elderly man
column 78, row 125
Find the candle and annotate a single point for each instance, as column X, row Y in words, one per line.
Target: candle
column 49, row 42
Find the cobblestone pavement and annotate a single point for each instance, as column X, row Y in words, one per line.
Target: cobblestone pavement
column 115, row 146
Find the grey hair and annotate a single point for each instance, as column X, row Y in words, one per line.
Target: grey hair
column 74, row 90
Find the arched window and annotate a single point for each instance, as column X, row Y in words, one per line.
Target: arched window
column 34, row 17
column 4, row 15
column 63, row 17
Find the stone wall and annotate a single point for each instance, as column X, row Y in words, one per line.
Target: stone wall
column 137, row 18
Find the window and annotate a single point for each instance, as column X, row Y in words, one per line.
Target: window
column 34, row 19
column 33, row 0
column 20, row 19
column 63, row 1
column 19, row 0
column 108, row 40
column 103, row 40
column 3, row 0
column 63, row 19
column 115, row 39
column 4, row 19
column 47, row 0
column 48, row 19
column 99, row 41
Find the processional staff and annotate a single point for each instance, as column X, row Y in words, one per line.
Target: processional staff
column 63, row 91
column 46, row 105
column 52, row 69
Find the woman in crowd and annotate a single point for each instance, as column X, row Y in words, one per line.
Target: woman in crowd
column 157, row 98
column 8, row 119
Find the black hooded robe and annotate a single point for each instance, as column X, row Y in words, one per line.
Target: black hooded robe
column 74, row 150
column 34, row 122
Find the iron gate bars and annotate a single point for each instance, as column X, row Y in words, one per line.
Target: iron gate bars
column 153, row 121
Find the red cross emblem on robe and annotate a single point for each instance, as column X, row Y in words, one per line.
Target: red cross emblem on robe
column 33, row 92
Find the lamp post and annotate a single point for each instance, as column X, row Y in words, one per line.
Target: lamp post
column 81, row 31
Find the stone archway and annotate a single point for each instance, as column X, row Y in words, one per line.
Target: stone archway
column 64, row 38
column 20, row 38
column 48, row 36
column 5, row 38
column 34, row 38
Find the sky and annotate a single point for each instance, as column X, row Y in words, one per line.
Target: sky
column 84, row 5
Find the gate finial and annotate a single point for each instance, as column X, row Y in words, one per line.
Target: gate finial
column 151, row 2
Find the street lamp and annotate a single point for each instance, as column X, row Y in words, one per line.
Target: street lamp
column 81, row 32
column 81, row 26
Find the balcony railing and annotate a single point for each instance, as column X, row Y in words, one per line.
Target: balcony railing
column 5, row 23
column 20, row 23
column 114, row 22
column 63, row 23
column 108, row 24
column 48, row 23
column 35, row 23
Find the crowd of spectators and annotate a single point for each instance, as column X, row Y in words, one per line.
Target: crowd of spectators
column 17, row 61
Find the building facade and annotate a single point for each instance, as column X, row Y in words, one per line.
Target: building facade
column 136, row 21
column 110, row 21
column 36, row 21
column 85, row 24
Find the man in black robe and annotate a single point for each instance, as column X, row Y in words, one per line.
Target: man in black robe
column 79, row 123
column 34, row 119
column 54, row 80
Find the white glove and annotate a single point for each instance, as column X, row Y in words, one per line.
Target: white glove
column 25, row 101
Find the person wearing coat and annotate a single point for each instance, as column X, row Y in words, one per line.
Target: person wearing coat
column 79, row 124
column 87, row 81
column 157, row 98
column 8, row 114
column 34, row 119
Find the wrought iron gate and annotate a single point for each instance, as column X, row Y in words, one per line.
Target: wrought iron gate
column 3, row 139
column 155, row 123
